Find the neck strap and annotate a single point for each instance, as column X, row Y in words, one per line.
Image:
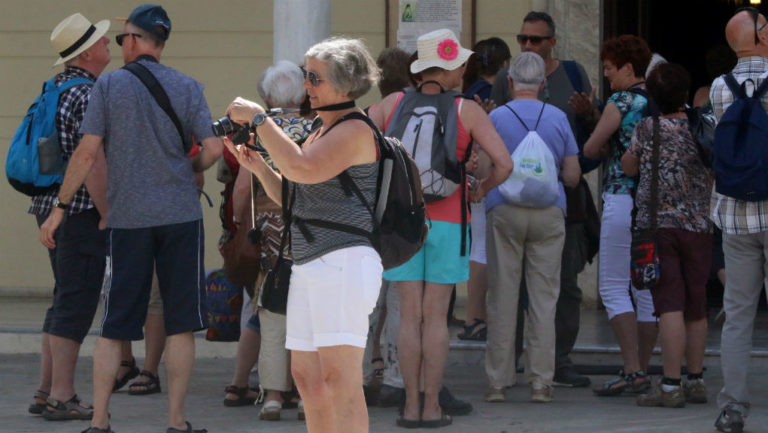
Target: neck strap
column 337, row 107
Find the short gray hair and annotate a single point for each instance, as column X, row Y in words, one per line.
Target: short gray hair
column 281, row 85
column 527, row 71
column 351, row 69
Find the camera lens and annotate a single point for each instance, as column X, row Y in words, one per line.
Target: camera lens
column 224, row 127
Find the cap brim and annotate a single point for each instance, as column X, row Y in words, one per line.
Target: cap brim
column 449, row 65
column 102, row 27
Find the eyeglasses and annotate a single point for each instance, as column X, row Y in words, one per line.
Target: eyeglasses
column 314, row 80
column 755, row 15
column 535, row 40
column 119, row 38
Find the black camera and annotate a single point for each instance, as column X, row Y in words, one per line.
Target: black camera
column 225, row 127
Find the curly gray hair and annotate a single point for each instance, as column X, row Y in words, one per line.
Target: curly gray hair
column 351, row 69
column 281, row 85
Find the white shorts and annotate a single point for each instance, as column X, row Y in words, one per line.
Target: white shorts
column 477, row 225
column 331, row 297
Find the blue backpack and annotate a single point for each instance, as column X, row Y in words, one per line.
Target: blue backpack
column 23, row 165
column 740, row 149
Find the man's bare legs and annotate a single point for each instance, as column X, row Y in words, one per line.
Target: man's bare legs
column 154, row 343
column 64, row 353
column 107, row 354
column 179, row 359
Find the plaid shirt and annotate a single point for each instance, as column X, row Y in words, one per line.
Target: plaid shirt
column 72, row 105
column 731, row 215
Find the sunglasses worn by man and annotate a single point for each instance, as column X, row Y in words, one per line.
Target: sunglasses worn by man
column 119, row 38
column 535, row 40
column 755, row 15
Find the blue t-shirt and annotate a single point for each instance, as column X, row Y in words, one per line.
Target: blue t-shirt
column 150, row 181
column 632, row 108
column 553, row 128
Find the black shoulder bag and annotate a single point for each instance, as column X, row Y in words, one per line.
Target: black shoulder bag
column 274, row 288
column 644, row 255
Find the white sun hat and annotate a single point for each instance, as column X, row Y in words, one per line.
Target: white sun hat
column 439, row 48
column 74, row 35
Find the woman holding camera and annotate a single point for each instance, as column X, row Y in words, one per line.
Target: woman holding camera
column 336, row 275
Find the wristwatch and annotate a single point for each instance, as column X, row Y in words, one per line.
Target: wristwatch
column 259, row 118
column 57, row 203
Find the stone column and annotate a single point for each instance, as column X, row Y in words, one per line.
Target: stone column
column 299, row 24
column 579, row 26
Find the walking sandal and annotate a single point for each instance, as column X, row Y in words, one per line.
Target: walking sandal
column 38, row 408
column 242, row 396
column 57, row 410
column 636, row 382
column 144, row 387
column 132, row 373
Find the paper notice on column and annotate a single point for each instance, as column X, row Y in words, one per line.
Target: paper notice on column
column 422, row 16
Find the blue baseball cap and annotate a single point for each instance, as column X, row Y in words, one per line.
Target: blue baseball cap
column 152, row 19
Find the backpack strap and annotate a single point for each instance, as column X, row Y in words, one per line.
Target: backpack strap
column 350, row 188
column 736, row 88
column 157, row 92
column 761, row 90
column 63, row 87
column 521, row 120
column 572, row 71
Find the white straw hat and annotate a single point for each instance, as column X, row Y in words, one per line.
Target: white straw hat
column 439, row 48
column 74, row 35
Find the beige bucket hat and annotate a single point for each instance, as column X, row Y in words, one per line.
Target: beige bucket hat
column 74, row 35
column 439, row 48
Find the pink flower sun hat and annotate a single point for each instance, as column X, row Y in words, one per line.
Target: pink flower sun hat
column 439, row 48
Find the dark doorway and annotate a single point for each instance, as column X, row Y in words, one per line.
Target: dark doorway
column 682, row 31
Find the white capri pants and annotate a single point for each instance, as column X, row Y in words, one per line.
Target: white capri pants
column 331, row 297
column 615, row 239
column 477, row 227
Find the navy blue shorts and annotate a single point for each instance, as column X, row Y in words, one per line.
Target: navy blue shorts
column 177, row 250
column 78, row 268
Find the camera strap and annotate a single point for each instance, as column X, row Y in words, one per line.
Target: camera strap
column 157, row 92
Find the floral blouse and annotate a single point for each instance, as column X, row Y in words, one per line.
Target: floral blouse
column 685, row 183
column 632, row 107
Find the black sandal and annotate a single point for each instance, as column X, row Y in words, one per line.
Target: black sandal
column 132, row 373
column 150, row 386
column 242, row 396
column 38, row 408
column 471, row 332
column 73, row 408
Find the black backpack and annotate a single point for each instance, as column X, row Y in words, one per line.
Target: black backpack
column 399, row 221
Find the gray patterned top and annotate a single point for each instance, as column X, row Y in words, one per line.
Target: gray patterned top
column 327, row 201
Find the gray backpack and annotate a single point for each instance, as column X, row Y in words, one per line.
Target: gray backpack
column 428, row 128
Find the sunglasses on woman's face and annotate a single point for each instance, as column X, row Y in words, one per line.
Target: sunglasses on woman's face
column 314, row 80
